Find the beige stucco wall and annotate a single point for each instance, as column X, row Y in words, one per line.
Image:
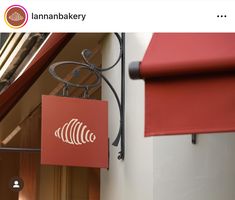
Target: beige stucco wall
column 133, row 177
column 166, row 167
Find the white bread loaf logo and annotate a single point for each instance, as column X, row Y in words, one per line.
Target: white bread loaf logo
column 16, row 17
column 75, row 132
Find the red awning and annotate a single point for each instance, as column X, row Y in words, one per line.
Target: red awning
column 189, row 83
column 39, row 63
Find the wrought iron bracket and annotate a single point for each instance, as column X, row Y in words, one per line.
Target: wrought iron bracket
column 98, row 73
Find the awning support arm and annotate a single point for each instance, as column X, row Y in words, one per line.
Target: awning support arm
column 194, row 138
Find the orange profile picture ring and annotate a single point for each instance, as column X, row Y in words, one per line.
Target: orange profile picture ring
column 16, row 16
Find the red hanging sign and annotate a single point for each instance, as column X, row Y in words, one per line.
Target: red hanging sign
column 74, row 132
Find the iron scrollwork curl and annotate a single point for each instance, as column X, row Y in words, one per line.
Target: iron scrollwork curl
column 97, row 72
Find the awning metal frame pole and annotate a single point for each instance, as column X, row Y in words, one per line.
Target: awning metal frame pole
column 16, row 149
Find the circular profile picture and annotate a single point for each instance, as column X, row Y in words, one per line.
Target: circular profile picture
column 16, row 16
